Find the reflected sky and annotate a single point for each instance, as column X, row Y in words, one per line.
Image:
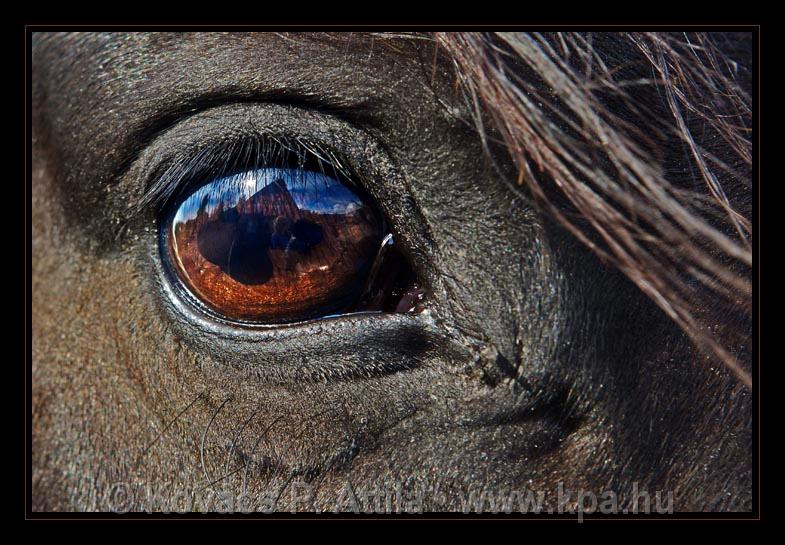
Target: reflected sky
column 311, row 191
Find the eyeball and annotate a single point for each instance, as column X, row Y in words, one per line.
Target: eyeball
column 274, row 245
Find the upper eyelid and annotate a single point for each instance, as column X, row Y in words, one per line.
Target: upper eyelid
column 352, row 112
column 199, row 140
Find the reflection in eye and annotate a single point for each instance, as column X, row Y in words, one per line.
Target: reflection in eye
column 276, row 245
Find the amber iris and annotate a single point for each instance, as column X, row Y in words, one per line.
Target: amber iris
column 274, row 245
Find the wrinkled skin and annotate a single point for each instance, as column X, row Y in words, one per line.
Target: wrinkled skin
column 534, row 364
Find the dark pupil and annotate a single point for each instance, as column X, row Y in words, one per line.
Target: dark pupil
column 275, row 243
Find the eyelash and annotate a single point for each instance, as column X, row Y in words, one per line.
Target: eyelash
column 186, row 174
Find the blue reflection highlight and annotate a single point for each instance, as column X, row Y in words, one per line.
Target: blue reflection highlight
column 310, row 191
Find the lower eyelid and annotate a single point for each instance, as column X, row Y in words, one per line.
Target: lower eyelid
column 367, row 345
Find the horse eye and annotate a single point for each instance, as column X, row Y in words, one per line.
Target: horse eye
column 275, row 245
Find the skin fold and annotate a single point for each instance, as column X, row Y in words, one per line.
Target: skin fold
column 534, row 366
